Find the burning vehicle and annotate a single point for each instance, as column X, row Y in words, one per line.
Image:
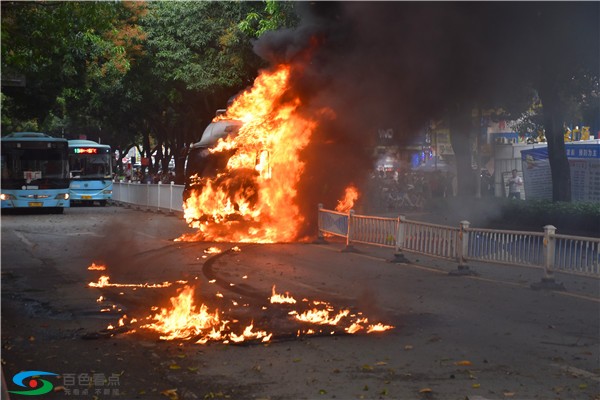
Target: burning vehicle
column 241, row 177
column 201, row 161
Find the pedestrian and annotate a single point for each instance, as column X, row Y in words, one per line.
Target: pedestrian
column 514, row 186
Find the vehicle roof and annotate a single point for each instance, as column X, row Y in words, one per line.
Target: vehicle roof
column 216, row 130
column 86, row 143
column 31, row 137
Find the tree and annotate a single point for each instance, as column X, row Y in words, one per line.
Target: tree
column 199, row 58
column 567, row 54
column 62, row 49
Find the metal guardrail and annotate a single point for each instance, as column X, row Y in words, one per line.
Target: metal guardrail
column 158, row 197
column 576, row 254
column 435, row 240
column 506, row 247
column 545, row 250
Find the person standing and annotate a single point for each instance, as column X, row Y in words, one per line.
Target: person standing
column 514, row 185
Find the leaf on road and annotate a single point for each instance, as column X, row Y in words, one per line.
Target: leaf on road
column 367, row 367
column 476, row 385
column 381, row 363
column 408, row 347
column 463, row 363
column 322, row 391
column 192, row 369
column 425, row 390
column 171, row 394
column 509, row 394
column 174, row 366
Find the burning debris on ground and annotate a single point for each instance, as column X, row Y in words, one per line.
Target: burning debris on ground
column 233, row 321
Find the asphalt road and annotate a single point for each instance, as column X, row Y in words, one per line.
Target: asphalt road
column 486, row 337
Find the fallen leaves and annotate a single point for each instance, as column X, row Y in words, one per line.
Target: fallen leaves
column 463, row 363
column 171, row 394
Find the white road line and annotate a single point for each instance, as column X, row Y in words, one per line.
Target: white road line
column 578, row 372
column 136, row 233
column 83, row 233
column 23, row 239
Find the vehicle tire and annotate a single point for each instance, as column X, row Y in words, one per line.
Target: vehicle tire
column 102, row 203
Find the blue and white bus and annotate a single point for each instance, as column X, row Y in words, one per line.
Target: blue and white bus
column 90, row 164
column 35, row 171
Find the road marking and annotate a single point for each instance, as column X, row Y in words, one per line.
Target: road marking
column 23, row 239
column 144, row 234
column 83, row 233
column 578, row 372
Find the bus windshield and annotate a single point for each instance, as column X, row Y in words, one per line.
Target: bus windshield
column 34, row 166
column 90, row 166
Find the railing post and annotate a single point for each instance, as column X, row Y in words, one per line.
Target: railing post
column 349, row 247
column 171, row 199
column 159, row 183
column 548, row 281
column 462, row 247
column 128, row 203
column 320, row 236
column 400, row 237
column 148, row 196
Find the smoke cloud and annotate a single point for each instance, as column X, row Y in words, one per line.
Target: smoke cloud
column 363, row 64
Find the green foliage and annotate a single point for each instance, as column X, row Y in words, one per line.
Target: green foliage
column 199, row 44
column 66, row 51
column 581, row 218
column 273, row 16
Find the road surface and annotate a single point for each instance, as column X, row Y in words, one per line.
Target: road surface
column 486, row 337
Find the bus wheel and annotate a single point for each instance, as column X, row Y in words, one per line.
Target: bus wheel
column 58, row 210
column 102, row 203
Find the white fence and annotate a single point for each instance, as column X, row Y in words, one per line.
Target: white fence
column 545, row 250
column 160, row 197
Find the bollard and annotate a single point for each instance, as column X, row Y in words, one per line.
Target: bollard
column 320, row 236
column 171, row 212
column 548, row 282
column 159, row 184
column 400, row 236
column 462, row 247
column 349, row 248
column 148, row 209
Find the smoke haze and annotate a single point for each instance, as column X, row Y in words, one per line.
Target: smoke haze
column 362, row 64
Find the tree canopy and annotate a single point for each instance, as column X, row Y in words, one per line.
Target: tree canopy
column 154, row 73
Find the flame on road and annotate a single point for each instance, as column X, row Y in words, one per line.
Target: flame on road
column 182, row 321
column 104, row 281
column 281, row 298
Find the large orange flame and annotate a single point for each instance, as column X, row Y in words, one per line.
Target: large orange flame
column 182, row 321
column 254, row 199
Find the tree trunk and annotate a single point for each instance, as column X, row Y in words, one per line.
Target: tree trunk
column 557, row 155
column 460, row 124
